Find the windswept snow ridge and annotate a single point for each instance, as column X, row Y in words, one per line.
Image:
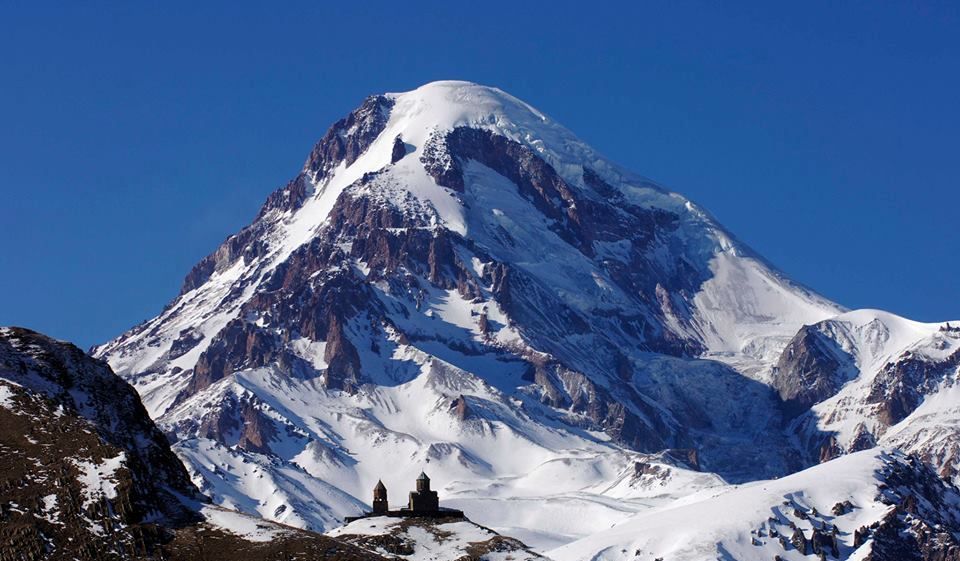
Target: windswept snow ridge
column 844, row 509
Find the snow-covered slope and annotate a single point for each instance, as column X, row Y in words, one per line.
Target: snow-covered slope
column 425, row 539
column 326, row 451
column 848, row 508
column 455, row 281
column 870, row 377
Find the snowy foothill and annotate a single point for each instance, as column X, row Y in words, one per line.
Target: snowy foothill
column 432, row 540
column 242, row 525
column 745, row 521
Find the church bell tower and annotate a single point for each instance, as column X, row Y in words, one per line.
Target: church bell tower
column 380, row 498
column 423, row 483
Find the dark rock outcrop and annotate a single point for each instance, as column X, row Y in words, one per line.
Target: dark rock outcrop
column 349, row 137
column 84, row 472
column 842, row 508
column 924, row 523
column 399, row 150
column 824, row 542
column 344, row 142
column 239, row 345
column 811, row 368
column 900, row 386
column 578, row 220
column 800, row 542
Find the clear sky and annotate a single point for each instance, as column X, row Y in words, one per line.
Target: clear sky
column 135, row 137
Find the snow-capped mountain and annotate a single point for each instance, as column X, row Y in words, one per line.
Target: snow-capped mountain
column 454, row 282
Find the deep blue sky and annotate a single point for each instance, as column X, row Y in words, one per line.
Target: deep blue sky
column 135, row 138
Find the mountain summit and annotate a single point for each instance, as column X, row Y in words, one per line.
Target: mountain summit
column 453, row 278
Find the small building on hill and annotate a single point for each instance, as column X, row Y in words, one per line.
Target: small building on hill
column 423, row 502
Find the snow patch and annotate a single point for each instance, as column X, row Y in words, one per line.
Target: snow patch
column 98, row 480
column 6, row 395
column 247, row 527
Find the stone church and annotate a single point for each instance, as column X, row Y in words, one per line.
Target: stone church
column 423, row 502
column 423, row 499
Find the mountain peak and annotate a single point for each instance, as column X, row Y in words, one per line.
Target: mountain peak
column 450, row 103
column 455, row 279
column 427, row 113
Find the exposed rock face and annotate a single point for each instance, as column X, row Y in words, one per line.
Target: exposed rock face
column 81, row 457
column 349, row 137
column 900, row 386
column 823, row 542
column 842, row 508
column 583, row 221
column 812, row 368
column 343, row 143
column 399, row 150
column 800, row 542
column 239, row 345
column 460, row 408
column 924, row 523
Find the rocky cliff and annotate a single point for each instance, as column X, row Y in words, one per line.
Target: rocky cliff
column 85, row 473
